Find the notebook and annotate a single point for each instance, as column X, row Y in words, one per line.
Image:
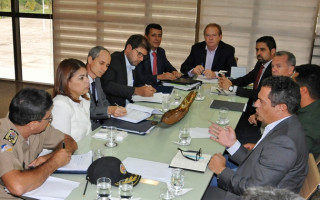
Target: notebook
column 141, row 128
column 233, row 106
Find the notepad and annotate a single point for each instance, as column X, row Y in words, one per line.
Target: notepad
column 233, row 106
column 179, row 161
column 137, row 113
column 77, row 165
column 140, row 128
column 156, row 98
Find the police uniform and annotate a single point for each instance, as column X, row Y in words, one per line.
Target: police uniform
column 17, row 153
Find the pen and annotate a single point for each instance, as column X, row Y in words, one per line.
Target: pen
column 224, row 91
column 218, row 90
column 63, row 145
column 85, row 188
column 116, row 104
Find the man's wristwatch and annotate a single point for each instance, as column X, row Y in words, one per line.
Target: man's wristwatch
column 231, row 88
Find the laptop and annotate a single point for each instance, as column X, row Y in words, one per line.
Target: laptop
column 237, row 72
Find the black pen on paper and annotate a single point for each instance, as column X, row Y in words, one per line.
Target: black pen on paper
column 63, row 145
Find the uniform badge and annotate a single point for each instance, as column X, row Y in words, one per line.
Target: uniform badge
column 6, row 147
column 122, row 169
column 11, row 136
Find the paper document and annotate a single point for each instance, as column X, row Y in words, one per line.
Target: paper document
column 156, row 98
column 137, row 113
column 182, row 87
column 148, row 169
column 220, row 91
column 206, row 80
column 180, row 161
column 77, row 165
column 199, row 133
column 53, row 189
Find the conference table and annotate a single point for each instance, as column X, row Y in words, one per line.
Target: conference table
column 158, row 146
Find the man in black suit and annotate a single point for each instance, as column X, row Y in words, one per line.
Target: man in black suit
column 156, row 65
column 118, row 81
column 265, row 51
column 210, row 56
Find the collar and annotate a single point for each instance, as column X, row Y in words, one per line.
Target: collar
column 153, row 51
column 269, row 127
column 90, row 79
column 267, row 64
column 128, row 65
column 212, row 50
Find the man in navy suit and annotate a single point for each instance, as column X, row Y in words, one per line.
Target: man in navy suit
column 155, row 66
column 210, row 56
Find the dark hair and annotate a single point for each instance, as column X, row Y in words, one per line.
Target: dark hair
column 213, row 25
column 65, row 72
column 95, row 52
column 150, row 26
column 138, row 41
column 309, row 76
column 28, row 105
column 283, row 91
column 269, row 40
column 291, row 61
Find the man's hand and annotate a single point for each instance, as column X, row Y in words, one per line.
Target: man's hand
column 38, row 161
column 61, row 157
column 117, row 111
column 224, row 82
column 224, row 136
column 198, row 70
column 217, row 163
column 166, row 76
column 209, row 74
column 253, row 119
column 145, row 91
column 249, row 146
column 176, row 74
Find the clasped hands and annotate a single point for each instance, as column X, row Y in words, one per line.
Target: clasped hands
column 199, row 69
column 224, row 82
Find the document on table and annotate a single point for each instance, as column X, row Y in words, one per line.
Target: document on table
column 179, row 161
column 182, row 87
column 137, row 113
column 220, row 91
column 53, row 189
column 78, row 164
column 206, row 80
column 199, row 133
column 148, row 169
column 156, row 98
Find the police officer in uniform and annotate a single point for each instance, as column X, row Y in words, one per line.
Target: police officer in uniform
column 24, row 133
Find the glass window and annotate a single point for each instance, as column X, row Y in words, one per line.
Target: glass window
column 5, row 6
column 6, row 49
column 36, row 50
column 35, row 6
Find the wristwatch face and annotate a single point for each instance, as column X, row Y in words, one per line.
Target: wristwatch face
column 231, row 88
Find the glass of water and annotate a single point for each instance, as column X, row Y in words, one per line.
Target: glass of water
column 176, row 97
column 223, row 116
column 125, row 189
column 166, row 194
column 165, row 103
column 199, row 96
column 177, row 181
column 184, row 136
column 111, row 136
column 103, row 188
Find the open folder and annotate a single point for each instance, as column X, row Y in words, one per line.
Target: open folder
column 140, row 128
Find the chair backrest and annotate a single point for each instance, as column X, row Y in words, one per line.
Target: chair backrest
column 312, row 180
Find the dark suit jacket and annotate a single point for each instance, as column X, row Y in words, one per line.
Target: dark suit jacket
column 115, row 83
column 144, row 72
column 99, row 110
column 279, row 160
column 223, row 59
column 250, row 78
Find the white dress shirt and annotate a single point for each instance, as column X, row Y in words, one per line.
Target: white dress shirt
column 70, row 117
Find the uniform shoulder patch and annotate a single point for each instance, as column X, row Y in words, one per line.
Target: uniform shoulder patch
column 6, row 147
column 11, row 136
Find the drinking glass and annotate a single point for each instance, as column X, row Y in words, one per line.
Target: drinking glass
column 177, row 181
column 97, row 154
column 176, row 97
column 125, row 189
column 166, row 194
column 103, row 188
column 223, row 116
column 184, row 136
column 111, row 136
column 199, row 96
column 165, row 103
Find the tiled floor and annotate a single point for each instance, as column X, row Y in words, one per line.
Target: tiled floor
column 9, row 88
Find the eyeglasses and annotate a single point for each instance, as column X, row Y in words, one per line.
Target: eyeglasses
column 191, row 157
column 49, row 119
column 140, row 55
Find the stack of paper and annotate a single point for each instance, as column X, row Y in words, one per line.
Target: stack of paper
column 182, row 87
column 156, row 98
column 137, row 113
column 206, row 80
column 179, row 161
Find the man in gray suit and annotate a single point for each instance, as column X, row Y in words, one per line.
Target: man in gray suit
column 98, row 62
column 279, row 159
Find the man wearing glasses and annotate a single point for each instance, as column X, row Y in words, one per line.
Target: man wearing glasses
column 280, row 157
column 118, row 81
column 23, row 135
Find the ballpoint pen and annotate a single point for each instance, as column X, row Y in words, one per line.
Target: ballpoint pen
column 63, row 145
column 116, row 104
